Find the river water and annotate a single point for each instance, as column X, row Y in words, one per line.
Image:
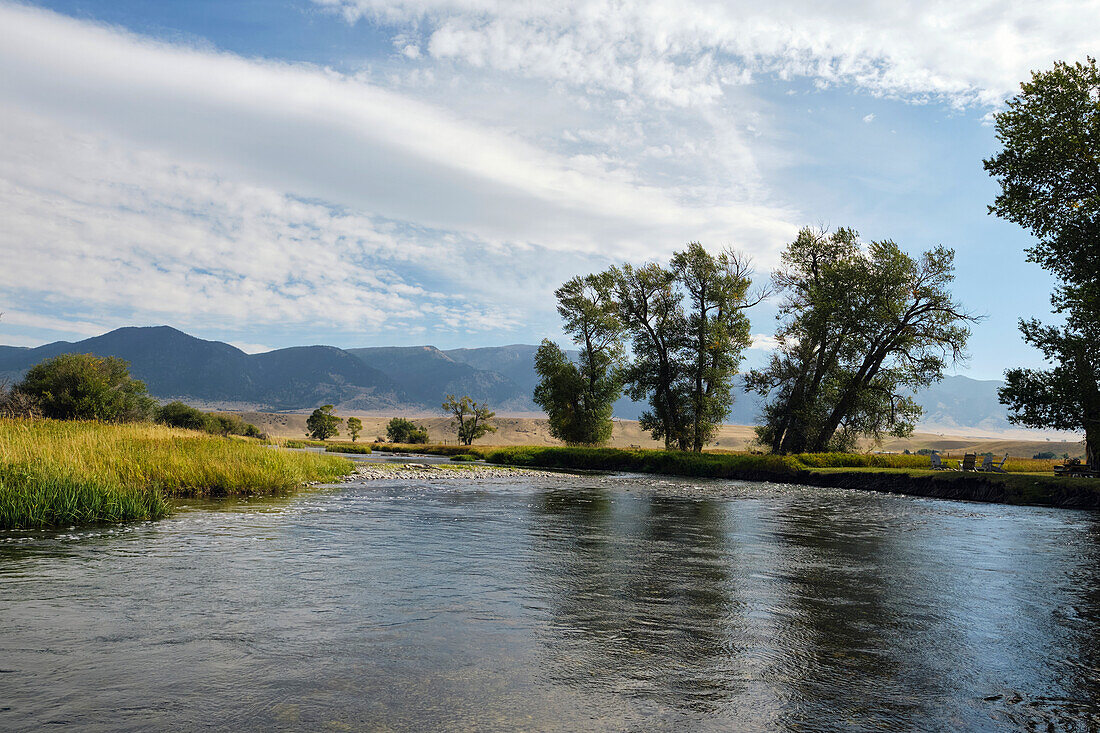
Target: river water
column 574, row 603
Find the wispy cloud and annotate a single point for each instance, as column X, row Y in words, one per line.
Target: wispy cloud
column 688, row 52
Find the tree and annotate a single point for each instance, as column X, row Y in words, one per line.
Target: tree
column 471, row 420
column 1066, row 396
column 323, row 424
column 1049, row 173
column 717, row 332
column 578, row 398
column 688, row 331
column 860, row 329
column 400, row 430
column 355, row 426
column 86, row 387
column 651, row 309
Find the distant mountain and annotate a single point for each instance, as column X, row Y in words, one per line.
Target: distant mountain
column 428, row 374
column 403, row 379
column 175, row 365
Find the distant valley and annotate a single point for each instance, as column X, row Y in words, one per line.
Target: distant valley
column 402, row 379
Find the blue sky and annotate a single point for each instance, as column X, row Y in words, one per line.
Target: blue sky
column 375, row 172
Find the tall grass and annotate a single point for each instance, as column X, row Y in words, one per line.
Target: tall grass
column 55, row 473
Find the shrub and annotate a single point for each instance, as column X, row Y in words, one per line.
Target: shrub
column 465, row 458
column 178, row 415
column 1045, row 455
column 15, row 404
column 87, row 387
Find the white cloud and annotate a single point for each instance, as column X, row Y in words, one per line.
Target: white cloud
column 686, row 52
column 251, row 348
column 868, row 119
column 322, row 135
column 92, row 227
column 764, row 342
column 149, row 182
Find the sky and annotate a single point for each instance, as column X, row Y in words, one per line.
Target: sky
column 386, row 172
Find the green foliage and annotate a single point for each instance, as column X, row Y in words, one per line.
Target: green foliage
column 355, row 426
column 717, row 332
column 401, row 430
column 1049, row 173
column 86, row 387
column 471, row 420
column 55, row 473
column 579, row 409
column 358, row 449
column 465, row 458
column 860, row 328
column 578, row 398
column 688, row 330
column 322, row 424
column 178, row 415
column 1045, row 455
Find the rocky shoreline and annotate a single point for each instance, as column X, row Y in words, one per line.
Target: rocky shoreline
column 434, row 471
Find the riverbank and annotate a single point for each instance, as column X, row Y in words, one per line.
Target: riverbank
column 896, row 474
column 56, row 473
column 434, row 472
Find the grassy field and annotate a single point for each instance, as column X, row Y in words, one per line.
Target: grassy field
column 56, row 473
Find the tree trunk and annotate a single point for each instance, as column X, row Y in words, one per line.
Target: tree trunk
column 1092, row 446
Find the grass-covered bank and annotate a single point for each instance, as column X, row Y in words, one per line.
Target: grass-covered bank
column 900, row 474
column 56, row 473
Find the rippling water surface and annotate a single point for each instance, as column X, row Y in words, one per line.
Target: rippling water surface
column 561, row 603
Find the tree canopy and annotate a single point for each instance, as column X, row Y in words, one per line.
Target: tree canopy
column 578, row 398
column 471, row 419
column 402, row 430
column 86, row 387
column 1049, row 173
column 355, row 426
column 322, row 424
column 861, row 328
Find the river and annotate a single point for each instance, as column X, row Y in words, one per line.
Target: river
column 572, row 603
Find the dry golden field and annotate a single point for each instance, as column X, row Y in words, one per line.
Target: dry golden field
column 533, row 431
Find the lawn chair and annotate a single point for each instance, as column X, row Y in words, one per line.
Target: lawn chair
column 999, row 466
column 968, row 462
column 937, row 463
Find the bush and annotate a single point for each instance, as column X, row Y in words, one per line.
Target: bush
column 178, row 415
column 15, row 404
column 1045, row 455
column 465, row 458
column 87, row 387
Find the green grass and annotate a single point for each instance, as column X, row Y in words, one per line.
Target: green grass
column 465, row 457
column 347, row 448
column 55, row 473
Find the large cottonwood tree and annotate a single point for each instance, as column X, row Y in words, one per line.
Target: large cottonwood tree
column 1049, row 172
column 861, row 328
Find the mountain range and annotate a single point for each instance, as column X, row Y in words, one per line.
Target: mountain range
column 398, row 379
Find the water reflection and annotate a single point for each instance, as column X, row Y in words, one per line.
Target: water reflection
column 637, row 593
column 590, row 603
